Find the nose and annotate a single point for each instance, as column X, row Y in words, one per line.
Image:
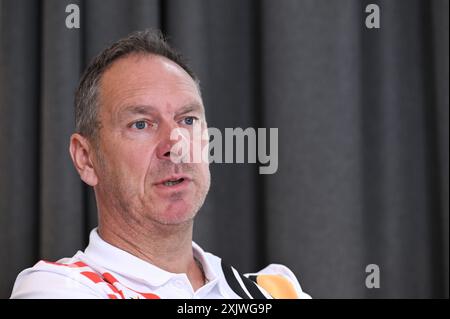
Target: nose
column 165, row 147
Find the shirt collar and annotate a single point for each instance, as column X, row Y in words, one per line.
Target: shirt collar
column 201, row 256
column 125, row 264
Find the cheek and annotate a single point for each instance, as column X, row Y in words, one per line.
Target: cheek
column 137, row 162
column 129, row 161
column 205, row 174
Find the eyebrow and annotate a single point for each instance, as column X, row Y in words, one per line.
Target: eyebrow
column 189, row 108
column 138, row 109
column 152, row 110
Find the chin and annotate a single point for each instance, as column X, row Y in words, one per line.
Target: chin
column 176, row 213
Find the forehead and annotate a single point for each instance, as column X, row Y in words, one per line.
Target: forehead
column 147, row 80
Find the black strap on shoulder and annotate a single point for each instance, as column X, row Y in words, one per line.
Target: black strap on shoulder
column 252, row 288
column 232, row 281
column 236, row 286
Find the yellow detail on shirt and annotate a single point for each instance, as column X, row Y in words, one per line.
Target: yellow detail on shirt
column 277, row 286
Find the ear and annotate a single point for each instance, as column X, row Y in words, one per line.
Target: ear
column 80, row 151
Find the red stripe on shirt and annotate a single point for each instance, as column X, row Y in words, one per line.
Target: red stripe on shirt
column 77, row 264
column 109, row 279
column 92, row 276
column 112, row 280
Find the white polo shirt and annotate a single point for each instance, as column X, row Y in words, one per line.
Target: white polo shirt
column 105, row 271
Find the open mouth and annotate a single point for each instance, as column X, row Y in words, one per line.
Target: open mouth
column 173, row 182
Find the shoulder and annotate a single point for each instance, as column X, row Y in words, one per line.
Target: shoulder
column 276, row 280
column 279, row 281
column 60, row 280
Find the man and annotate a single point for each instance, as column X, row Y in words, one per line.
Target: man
column 130, row 100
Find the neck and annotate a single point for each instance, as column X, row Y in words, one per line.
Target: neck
column 168, row 247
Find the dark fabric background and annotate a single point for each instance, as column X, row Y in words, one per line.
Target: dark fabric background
column 362, row 115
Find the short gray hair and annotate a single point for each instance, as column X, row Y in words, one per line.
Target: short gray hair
column 86, row 95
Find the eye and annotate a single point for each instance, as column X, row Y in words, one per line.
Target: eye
column 189, row 120
column 140, row 125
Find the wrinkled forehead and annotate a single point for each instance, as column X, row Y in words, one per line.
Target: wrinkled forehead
column 147, row 80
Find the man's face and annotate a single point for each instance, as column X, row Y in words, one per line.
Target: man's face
column 143, row 98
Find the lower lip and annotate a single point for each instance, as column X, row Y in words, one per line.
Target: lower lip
column 174, row 188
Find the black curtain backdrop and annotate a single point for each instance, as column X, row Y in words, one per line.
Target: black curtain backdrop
column 362, row 114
